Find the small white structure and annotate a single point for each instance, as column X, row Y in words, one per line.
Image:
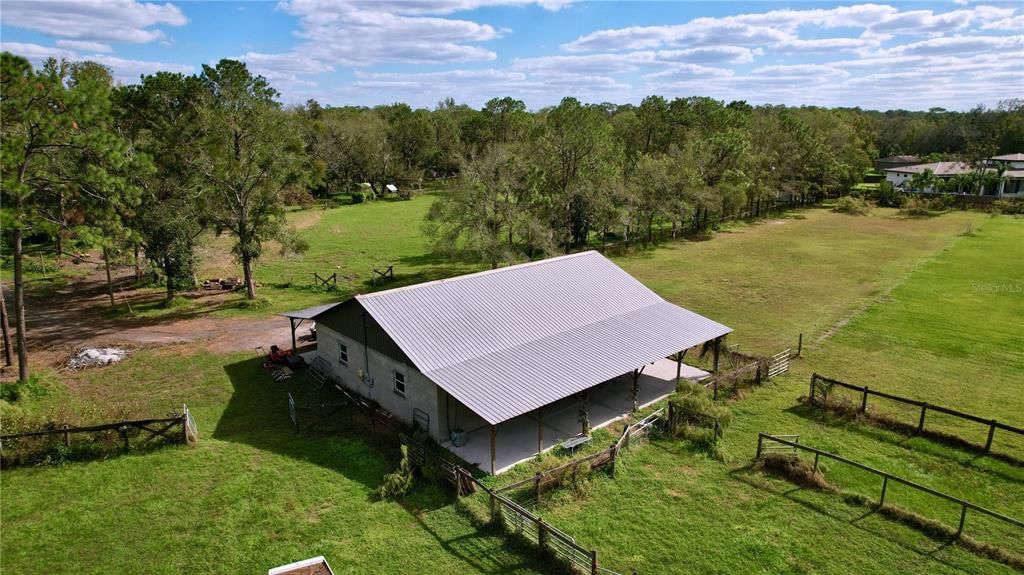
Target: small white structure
column 314, row 566
column 392, row 188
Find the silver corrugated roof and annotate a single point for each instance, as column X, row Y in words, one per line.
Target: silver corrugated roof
column 507, row 341
column 309, row 312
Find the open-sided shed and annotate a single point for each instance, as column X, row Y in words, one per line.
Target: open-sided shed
column 505, row 344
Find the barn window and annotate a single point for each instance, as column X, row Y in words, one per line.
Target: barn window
column 400, row 383
column 342, row 354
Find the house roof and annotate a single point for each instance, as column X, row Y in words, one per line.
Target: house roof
column 507, row 341
column 900, row 159
column 937, row 168
column 1009, row 158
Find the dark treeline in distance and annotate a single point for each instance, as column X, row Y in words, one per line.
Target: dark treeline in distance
column 146, row 168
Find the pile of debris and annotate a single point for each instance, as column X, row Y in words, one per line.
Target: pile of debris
column 223, row 284
column 91, row 357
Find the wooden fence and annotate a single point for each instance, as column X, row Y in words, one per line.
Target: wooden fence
column 146, row 429
column 517, row 520
column 762, row 438
column 547, row 480
column 701, row 221
column 821, row 387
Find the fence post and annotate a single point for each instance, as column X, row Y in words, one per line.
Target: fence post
column 815, row 471
column 593, row 562
column 920, row 423
column 800, row 345
column 760, row 439
column 67, row 436
column 991, row 432
column 864, row 401
column 885, row 483
column 812, row 382
column 494, row 508
column 536, row 485
column 963, row 516
column 542, row 534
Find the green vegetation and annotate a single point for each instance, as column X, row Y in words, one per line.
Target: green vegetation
column 900, row 340
column 253, row 493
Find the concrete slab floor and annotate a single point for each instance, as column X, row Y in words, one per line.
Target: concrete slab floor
column 516, row 439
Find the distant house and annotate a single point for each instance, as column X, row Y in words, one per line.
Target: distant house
column 1011, row 164
column 883, row 164
column 500, row 365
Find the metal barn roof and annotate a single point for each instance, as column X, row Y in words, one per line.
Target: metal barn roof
column 507, row 341
column 309, row 312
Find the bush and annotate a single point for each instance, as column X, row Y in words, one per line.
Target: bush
column 693, row 414
column 887, row 196
column 917, row 206
column 358, row 197
column 853, row 206
column 397, row 483
column 34, row 386
column 258, row 304
column 1008, row 207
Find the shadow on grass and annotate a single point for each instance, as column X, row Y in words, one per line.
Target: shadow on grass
column 474, row 548
column 341, row 439
column 896, row 433
column 257, row 415
column 744, row 475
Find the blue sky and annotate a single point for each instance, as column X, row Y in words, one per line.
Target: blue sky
column 913, row 55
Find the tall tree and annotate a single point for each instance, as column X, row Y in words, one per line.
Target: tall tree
column 250, row 156
column 58, row 150
column 160, row 117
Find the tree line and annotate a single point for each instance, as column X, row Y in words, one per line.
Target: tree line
column 147, row 168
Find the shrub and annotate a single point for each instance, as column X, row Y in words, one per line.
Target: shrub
column 796, row 469
column 397, row 483
column 693, row 416
column 34, row 386
column 258, row 304
column 358, row 197
column 915, row 206
column 853, row 206
column 1008, row 206
column 886, row 195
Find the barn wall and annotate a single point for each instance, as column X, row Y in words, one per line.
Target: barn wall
column 371, row 375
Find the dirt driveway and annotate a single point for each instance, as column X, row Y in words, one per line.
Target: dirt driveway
column 72, row 318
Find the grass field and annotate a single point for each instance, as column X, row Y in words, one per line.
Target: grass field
column 884, row 289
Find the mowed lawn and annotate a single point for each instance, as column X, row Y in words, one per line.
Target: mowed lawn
column 254, row 494
column 683, row 509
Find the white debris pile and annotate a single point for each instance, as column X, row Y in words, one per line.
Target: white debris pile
column 97, row 357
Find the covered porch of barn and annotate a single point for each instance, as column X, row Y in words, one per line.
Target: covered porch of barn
column 497, row 448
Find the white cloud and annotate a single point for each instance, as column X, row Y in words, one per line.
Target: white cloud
column 348, row 33
column 1015, row 23
column 94, row 20
column 955, row 46
column 84, row 45
column 124, row 70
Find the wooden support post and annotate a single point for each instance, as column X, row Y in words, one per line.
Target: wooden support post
column 963, row 516
column 760, row 440
column 885, row 484
column 636, row 390
column 679, row 367
column 920, row 423
column 540, row 430
column 799, row 345
column 291, row 320
column 812, row 383
column 494, row 433
column 864, row 401
column 815, row 471
column 593, row 562
column 991, row 433
column 718, row 349
column 67, row 436
column 542, row 534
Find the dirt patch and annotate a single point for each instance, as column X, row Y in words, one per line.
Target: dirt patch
column 72, row 318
